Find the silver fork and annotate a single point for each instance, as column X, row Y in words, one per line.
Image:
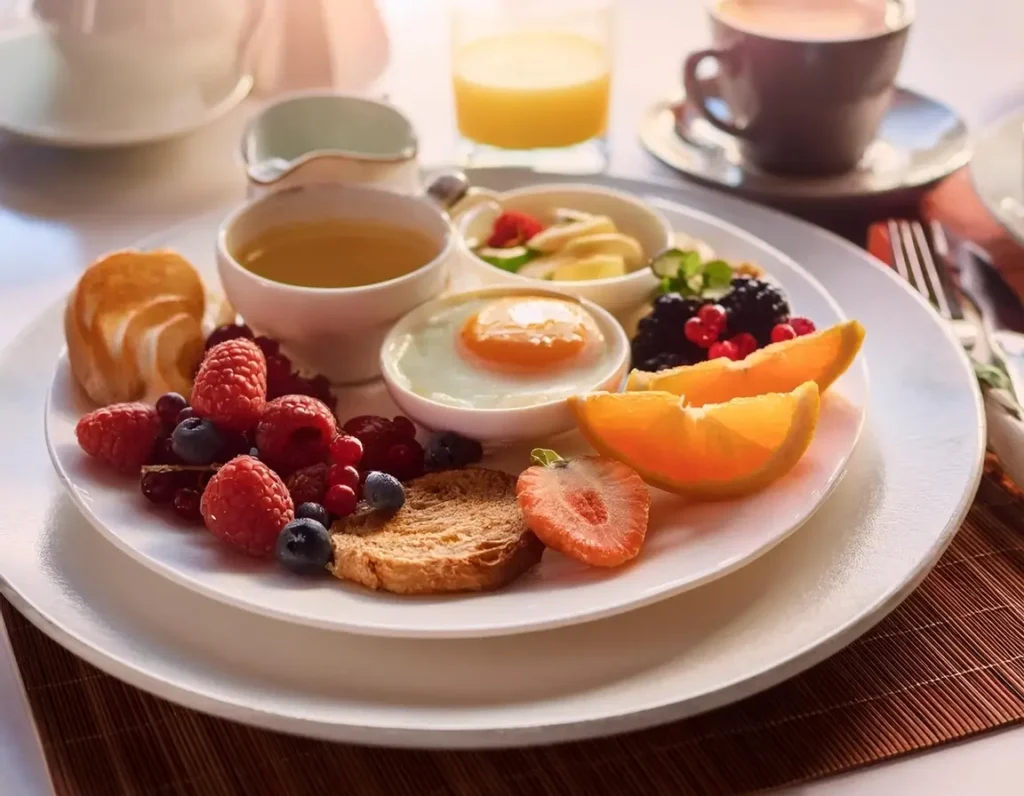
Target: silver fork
column 922, row 260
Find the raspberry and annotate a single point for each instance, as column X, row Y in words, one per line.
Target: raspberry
column 295, row 431
column 231, row 386
column 121, row 435
column 246, row 505
column 229, row 331
column 513, row 228
column 309, row 484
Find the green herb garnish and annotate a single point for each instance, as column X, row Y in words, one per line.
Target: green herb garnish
column 545, row 457
column 685, row 273
column 510, row 259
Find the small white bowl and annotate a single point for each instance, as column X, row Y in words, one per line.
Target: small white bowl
column 504, row 424
column 334, row 331
column 620, row 295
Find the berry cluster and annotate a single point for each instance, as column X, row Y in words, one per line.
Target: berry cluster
column 282, row 377
column 685, row 330
column 266, row 473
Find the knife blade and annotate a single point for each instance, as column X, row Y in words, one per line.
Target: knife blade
column 999, row 303
column 1001, row 309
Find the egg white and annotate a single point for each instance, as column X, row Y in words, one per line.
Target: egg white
column 428, row 362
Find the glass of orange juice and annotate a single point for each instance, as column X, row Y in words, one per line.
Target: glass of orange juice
column 532, row 82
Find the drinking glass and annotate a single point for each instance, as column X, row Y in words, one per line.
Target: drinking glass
column 532, row 82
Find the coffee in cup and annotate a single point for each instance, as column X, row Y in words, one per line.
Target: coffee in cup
column 806, row 82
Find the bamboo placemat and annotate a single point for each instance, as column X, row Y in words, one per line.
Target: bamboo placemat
column 947, row 664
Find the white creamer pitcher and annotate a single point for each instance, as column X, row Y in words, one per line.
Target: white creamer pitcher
column 328, row 137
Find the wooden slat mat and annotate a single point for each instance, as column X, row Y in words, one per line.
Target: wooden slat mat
column 947, row 664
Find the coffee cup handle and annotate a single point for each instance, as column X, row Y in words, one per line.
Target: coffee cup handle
column 695, row 90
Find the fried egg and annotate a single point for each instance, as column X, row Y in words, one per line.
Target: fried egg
column 487, row 353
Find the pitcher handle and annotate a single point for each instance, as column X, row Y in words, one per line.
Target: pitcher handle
column 247, row 40
column 695, row 90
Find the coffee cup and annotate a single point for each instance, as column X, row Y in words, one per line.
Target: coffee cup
column 806, row 82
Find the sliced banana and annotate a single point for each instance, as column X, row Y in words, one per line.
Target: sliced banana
column 542, row 267
column 595, row 266
column 607, row 243
column 555, row 238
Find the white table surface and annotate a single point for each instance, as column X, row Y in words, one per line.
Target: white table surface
column 58, row 210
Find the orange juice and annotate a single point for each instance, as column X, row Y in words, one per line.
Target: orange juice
column 527, row 90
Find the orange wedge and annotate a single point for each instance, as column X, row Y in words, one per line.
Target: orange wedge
column 821, row 357
column 716, row 451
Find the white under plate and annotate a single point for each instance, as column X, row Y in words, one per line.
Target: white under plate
column 687, row 545
column 907, row 488
column 49, row 104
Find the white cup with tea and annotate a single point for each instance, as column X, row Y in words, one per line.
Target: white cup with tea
column 328, row 268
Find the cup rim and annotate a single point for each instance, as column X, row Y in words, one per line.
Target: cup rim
column 409, row 152
column 909, row 16
column 608, row 281
column 609, row 326
column 225, row 255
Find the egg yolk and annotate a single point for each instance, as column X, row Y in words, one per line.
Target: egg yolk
column 532, row 334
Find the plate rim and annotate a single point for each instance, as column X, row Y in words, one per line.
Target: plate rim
column 523, row 623
column 588, row 726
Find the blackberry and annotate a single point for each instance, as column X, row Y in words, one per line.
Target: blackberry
column 754, row 306
column 660, row 341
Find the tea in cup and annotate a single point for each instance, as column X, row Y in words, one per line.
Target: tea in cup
column 807, row 82
column 328, row 268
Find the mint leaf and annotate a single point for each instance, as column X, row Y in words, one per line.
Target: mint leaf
column 717, row 274
column 544, row 457
column 691, row 265
column 992, row 376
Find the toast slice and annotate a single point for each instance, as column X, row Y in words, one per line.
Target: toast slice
column 459, row 530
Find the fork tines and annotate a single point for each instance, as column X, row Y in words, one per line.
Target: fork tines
column 920, row 259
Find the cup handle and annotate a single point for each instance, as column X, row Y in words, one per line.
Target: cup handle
column 456, row 196
column 695, row 90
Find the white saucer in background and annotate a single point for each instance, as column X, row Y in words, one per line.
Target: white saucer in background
column 41, row 101
column 998, row 171
column 919, row 142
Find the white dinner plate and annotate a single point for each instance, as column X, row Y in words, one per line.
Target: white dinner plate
column 906, row 490
column 687, row 544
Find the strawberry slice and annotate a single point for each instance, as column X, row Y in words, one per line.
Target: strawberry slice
column 593, row 508
column 513, row 228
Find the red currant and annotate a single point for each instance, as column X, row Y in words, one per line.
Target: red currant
column 724, row 349
column 712, row 316
column 340, row 500
column 346, row 450
column 782, row 332
column 745, row 343
column 404, row 427
column 344, row 474
column 694, row 329
column 802, row 326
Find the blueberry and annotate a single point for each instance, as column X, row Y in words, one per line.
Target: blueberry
column 313, row 511
column 196, row 440
column 303, row 546
column 448, row 450
column 383, row 492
